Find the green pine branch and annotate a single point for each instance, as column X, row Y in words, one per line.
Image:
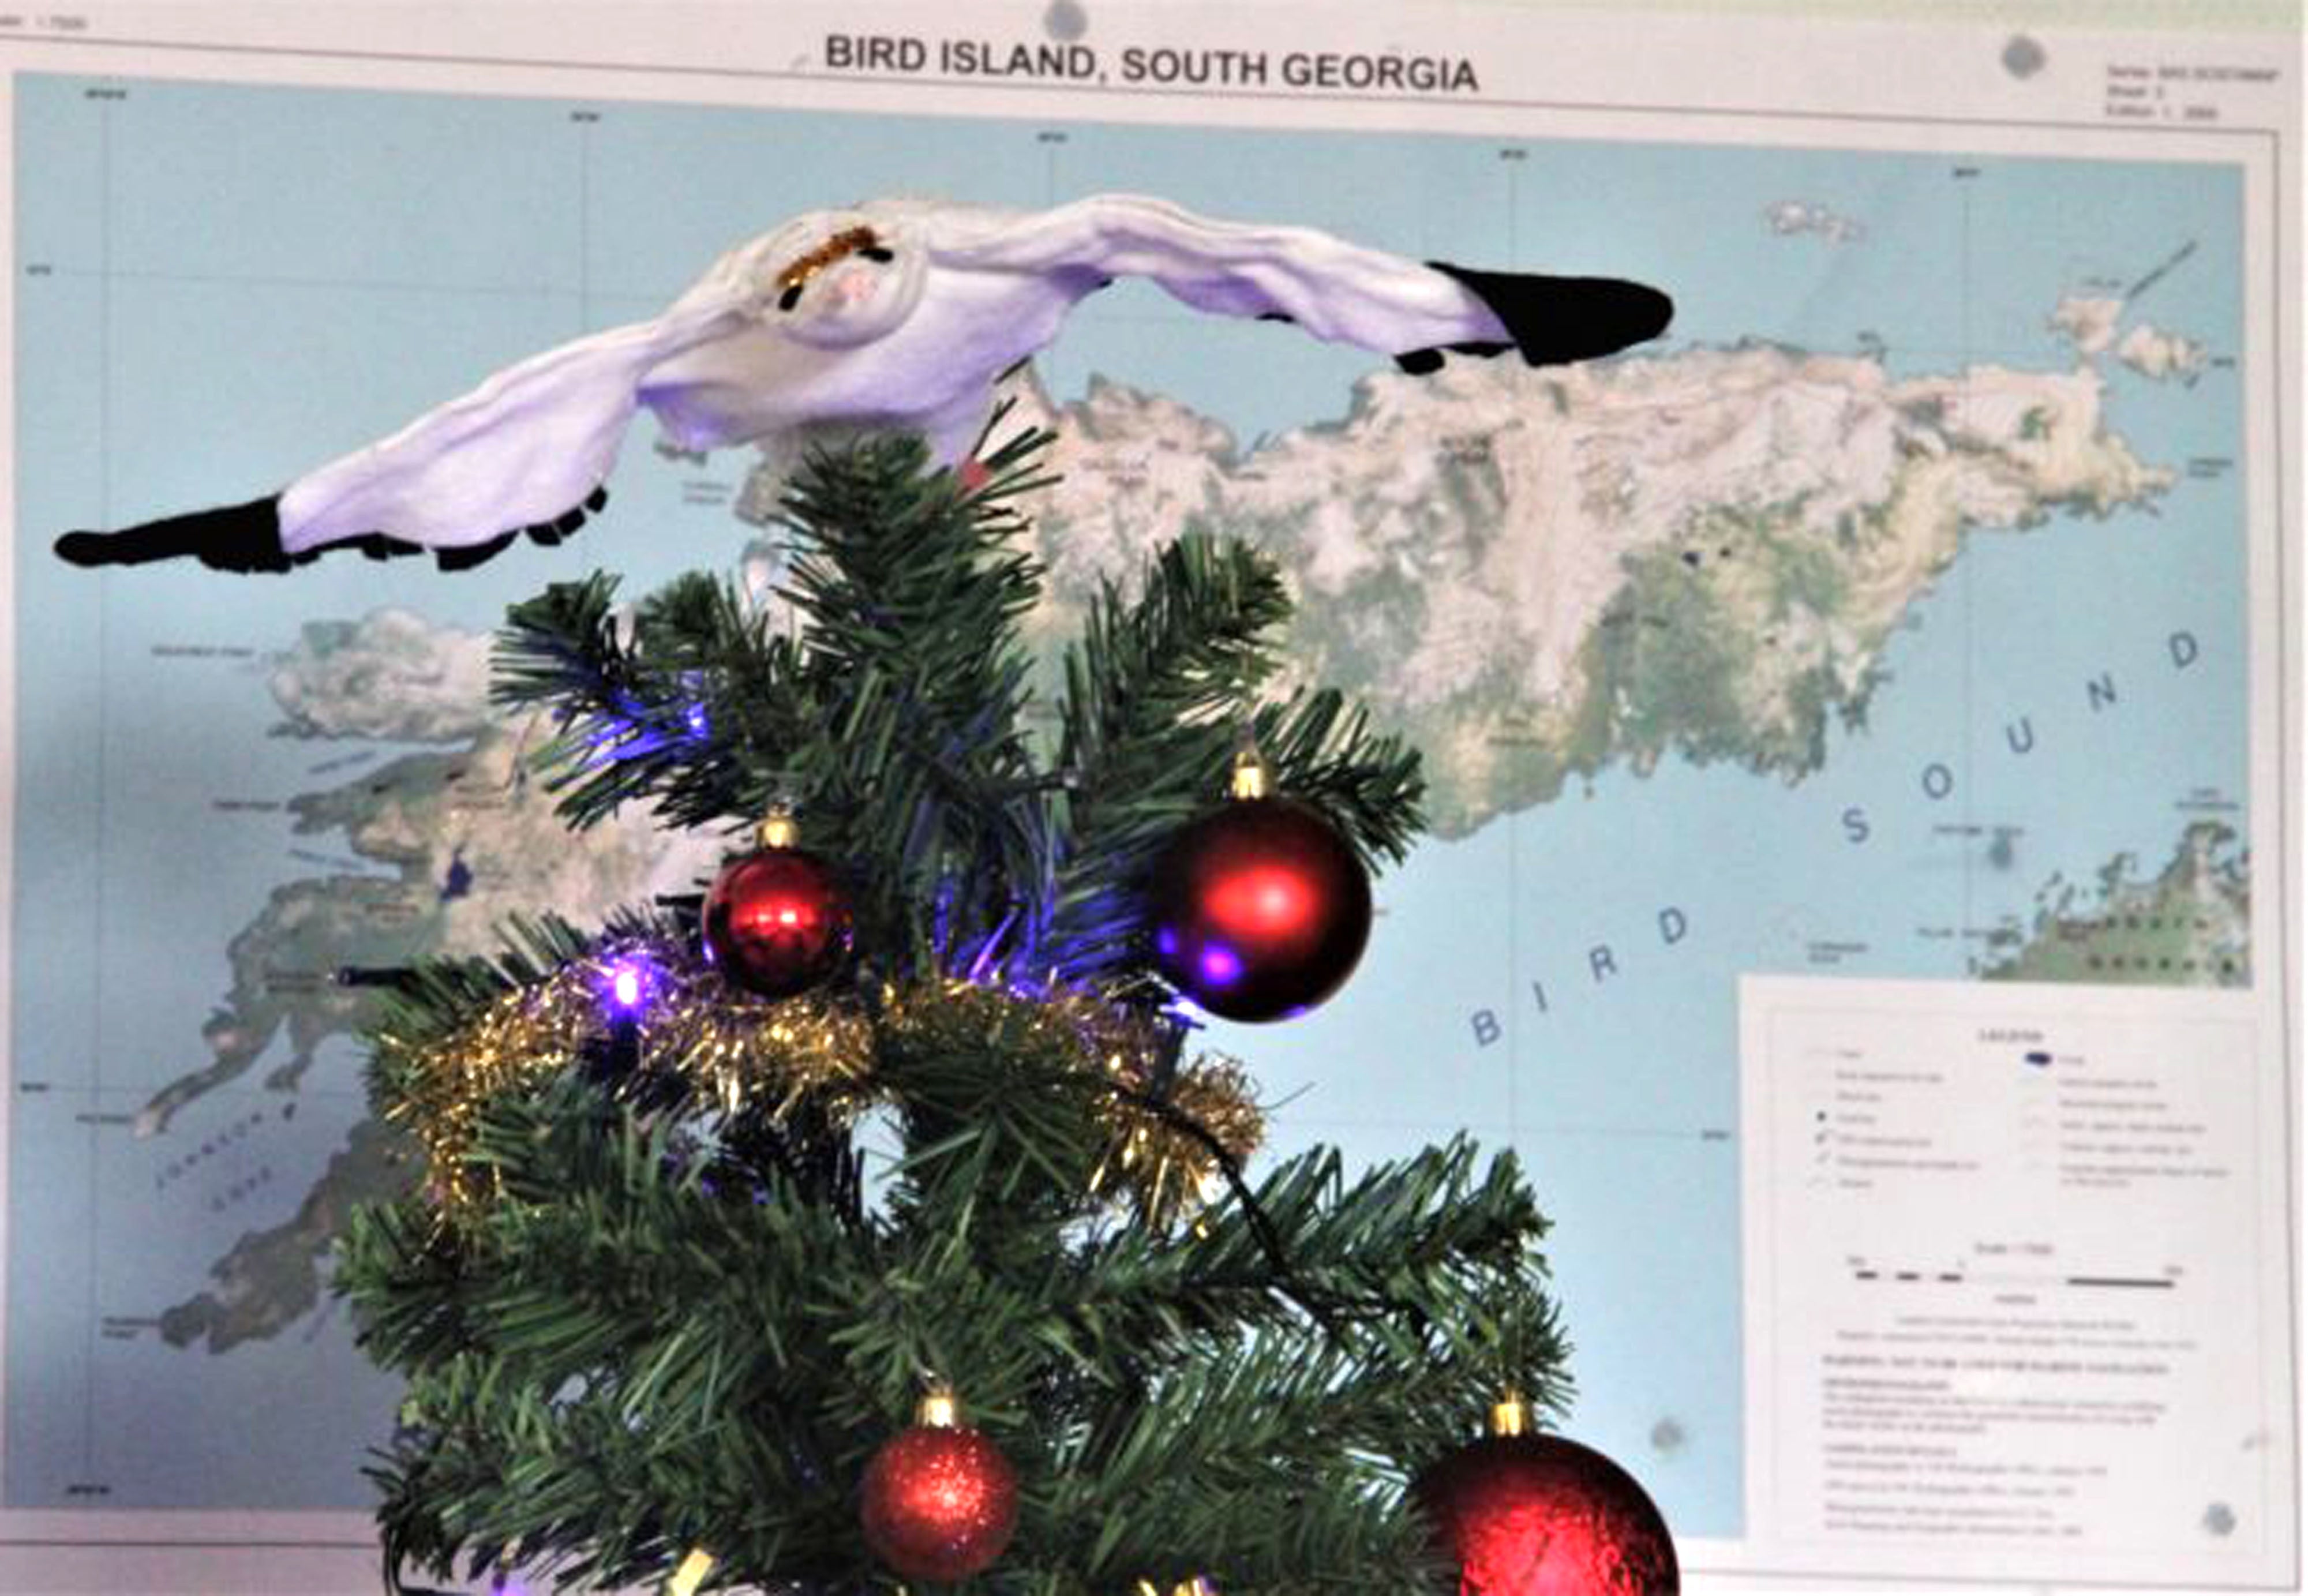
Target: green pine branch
column 1160, row 695
column 681, row 714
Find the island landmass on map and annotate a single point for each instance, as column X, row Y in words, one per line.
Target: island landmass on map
column 1532, row 574
column 1793, row 218
column 457, row 841
column 2188, row 924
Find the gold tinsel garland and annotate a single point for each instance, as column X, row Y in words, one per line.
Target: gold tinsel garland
column 1166, row 1148
column 1170, row 1169
column 524, row 1036
column 1153, row 1150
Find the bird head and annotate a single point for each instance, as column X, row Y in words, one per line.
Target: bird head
column 837, row 278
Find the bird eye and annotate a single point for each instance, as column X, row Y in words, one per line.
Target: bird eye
column 790, row 298
column 877, row 254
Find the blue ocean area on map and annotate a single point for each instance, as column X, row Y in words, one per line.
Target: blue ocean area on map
column 222, row 286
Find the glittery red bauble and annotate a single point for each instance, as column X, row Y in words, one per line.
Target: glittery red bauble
column 776, row 921
column 1538, row 1515
column 939, row 1503
column 1258, row 910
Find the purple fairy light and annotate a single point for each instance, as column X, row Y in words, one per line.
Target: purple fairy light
column 694, row 720
column 627, row 986
column 1221, row 965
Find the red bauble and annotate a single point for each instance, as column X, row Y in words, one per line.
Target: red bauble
column 776, row 921
column 1538, row 1515
column 939, row 1503
column 1258, row 910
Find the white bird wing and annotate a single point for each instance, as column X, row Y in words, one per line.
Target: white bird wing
column 527, row 451
column 1331, row 288
column 520, row 450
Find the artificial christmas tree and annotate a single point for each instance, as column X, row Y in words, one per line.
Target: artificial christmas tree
column 656, row 1306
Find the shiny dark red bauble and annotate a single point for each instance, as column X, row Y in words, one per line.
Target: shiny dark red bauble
column 776, row 921
column 939, row 1503
column 1538, row 1515
column 1259, row 910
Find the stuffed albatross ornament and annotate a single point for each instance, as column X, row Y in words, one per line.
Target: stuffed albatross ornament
column 898, row 314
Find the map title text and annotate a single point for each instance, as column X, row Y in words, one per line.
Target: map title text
column 1138, row 66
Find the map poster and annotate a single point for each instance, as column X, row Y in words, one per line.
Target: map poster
column 1911, row 612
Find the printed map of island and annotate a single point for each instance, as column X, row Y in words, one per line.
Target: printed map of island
column 1885, row 619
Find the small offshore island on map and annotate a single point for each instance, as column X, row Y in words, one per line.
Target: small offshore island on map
column 2188, row 924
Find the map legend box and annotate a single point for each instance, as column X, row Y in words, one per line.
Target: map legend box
column 2013, row 1252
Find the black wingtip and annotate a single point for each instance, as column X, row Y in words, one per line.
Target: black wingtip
column 1554, row 321
column 83, row 549
column 241, row 537
column 246, row 538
